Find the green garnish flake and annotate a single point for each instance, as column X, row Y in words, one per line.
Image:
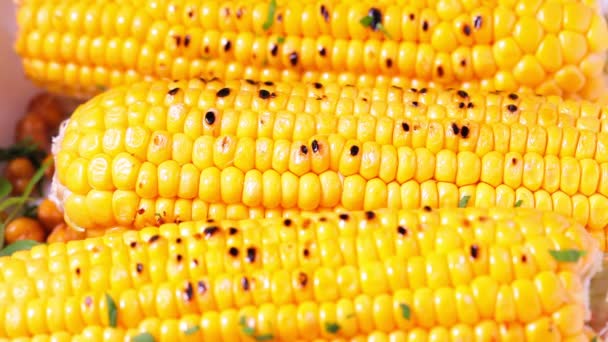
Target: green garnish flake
column 406, row 312
column 464, row 201
column 272, row 8
column 112, row 311
column 143, row 337
column 250, row 331
column 594, row 339
column 101, row 87
column 567, row 255
column 368, row 21
column 192, row 330
column 519, row 203
column 332, row 328
column 281, row 40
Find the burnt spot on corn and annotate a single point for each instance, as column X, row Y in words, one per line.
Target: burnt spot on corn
column 223, row 92
column 250, row 81
column 512, row 108
column 77, row 271
column 154, row 238
column 264, row 94
column 354, row 150
column 513, row 96
column 239, row 12
column 455, row 128
column 322, row 52
column 306, row 223
column 466, row 223
column 139, row 267
column 306, row 252
column 304, row 149
column 423, row 90
column 141, row 211
column 463, row 94
column 274, row 50
column 463, row 62
column 178, row 240
column 227, row 46
column 173, row 91
column 470, row 105
column 315, row 146
column 201, row 287
column 323, row 219
column 195, row 262
column 251, row 254
column 287, row 222
column 133, row 244
column 188, row 292
column 179, row 258
column 474, row 251
column 464, row 131
column 405, row 126
column 413, row 90
column 513, row 161
column 233, row 251
column 206, row 49
column 302, row 279
column 477, row 22
column 210, row 117
column 425, row 25
column 232, row 230
column 415, row 103
column 210, row 231
column 376, row 17
column 190, row 13
column 187, row 40
column 343, row 217
column 197, row 236
column 440, row 71
column 483, row 218
column 280, row 17
column 268, row 83
column 178, row 40
column 412, row 16
column 317, row 85
column 461, row 105
column 245, row 283
column 293, row 58
column 370, row 215
column 401, row 230
column 324, row 13
column 524, row 258
column 466, row 29
column 427, row 208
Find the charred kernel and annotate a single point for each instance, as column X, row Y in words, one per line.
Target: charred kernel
column 524, row 258
column 210, row 231
column 354, row 150
column 206, row 49
column 245, row 283
column 232, row 230
column 455, row 128
column 412, row 16
column 304, row 149
column 317, row 85
column 154, row 238
column 464, row 131
column 188, row 292
column 512, row 108
column 376, row 16
column 251, row 254
column 268, row 83
column 274, row 50
column 466, row 29
column 287, row 222
column 343, row 217
column 370, row 215
column 264, row 94
column 323, row 219
column 514, row 161
column 513, row 96
column 210, row 117
column 223, row 92
column 179, row 258
column 233, row 251
column 77, row 270
column 440, row 71
column 427, row 208
column 141, row 211
column 250, row 81
column 415, row 103
column 463, row 62
column 302, row 279
column 405, row 126
column 470, row 105
column 474, row 250
column 178, row 40
column 423, row 90
column 133, row 244
column 478, row 22
column 239, row 13
column 462, row 94
column 322, row 52
column 324, row 13
column 461, row 105
column 293, row 58
column 195, row 262
column 402, row 230
column 315, row 146
column 187, row 40
column 201, row 286
column 190, row 13
column 280, row 17
column 197, row 236
column 173, row 91
column 139, row 267
column 425, row 26
column 306, row 223
column 306, row 252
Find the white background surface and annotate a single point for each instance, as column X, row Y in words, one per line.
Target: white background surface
column 15, row 89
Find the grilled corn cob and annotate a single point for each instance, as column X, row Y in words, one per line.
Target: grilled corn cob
column 547, row 47
column 412, row 271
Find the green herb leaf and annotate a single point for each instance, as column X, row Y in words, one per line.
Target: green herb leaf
column 567, row 255
column 30, row 210
column 246, row 329
column 143, row 337
column 594, row 339
column 27, row 148
column 264, row 337
column 368, row 21
column 272, row 8
column 35, row 179
column 406, row 312
column 332, row 328
column 5, row 187
column 101, row 87
column 464, row 201
column 519, row 203
column 281, row 40
column 112, row 311
column 21, row 245
column 192, row 330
